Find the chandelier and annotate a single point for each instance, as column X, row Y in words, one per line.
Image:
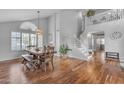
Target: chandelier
column 38, row 30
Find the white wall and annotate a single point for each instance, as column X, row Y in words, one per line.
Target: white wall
column 51, row 29
column 5, row 37
column 54, row 31
column 65, row 27
column 108, row 28
column 68, row 26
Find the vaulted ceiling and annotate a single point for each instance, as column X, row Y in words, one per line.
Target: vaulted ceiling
column 7, row 15
column 25, row 14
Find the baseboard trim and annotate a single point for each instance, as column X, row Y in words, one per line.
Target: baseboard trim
column 77, row 57
column 10, row 59
column 121, row 59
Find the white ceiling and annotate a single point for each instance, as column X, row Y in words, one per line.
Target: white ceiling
column 25, row 14
column 7, row 15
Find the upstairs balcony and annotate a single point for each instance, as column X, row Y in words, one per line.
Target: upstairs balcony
column 107, row 16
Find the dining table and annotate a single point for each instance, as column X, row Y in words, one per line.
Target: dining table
column 37, row 52
column 38, row 56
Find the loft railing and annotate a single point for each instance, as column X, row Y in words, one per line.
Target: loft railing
column 107, row 16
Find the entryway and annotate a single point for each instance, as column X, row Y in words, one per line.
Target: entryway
column 97, row 41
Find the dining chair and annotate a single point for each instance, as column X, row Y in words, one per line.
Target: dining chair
column 43, row 55
column 48, row 57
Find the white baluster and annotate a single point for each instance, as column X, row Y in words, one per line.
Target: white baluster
column 122, row 13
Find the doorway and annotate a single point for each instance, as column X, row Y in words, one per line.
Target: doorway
column 100, row 43
column 97, row 41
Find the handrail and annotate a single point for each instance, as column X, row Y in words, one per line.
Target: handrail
column 107, row 16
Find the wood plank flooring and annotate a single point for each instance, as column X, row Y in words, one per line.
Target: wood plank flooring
column 67, row 71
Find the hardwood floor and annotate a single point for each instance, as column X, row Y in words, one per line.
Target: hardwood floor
column 67, row 71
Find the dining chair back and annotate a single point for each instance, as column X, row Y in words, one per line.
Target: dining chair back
column 48, row 57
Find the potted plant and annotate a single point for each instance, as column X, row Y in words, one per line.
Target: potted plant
column 64, row 50
column 90, row 13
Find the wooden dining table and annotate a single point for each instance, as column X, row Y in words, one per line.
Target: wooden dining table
column 37, row 56
column 33, row 51
column 36, row 53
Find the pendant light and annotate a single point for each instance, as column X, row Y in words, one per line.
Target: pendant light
column 38, row 30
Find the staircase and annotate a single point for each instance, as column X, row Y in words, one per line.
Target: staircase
column 80, row 49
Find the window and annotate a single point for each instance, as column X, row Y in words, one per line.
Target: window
column 15, row 41
column 102, row 41
column 20, row 41
column 40, row 41
column 33, row 39
column 25, row 40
